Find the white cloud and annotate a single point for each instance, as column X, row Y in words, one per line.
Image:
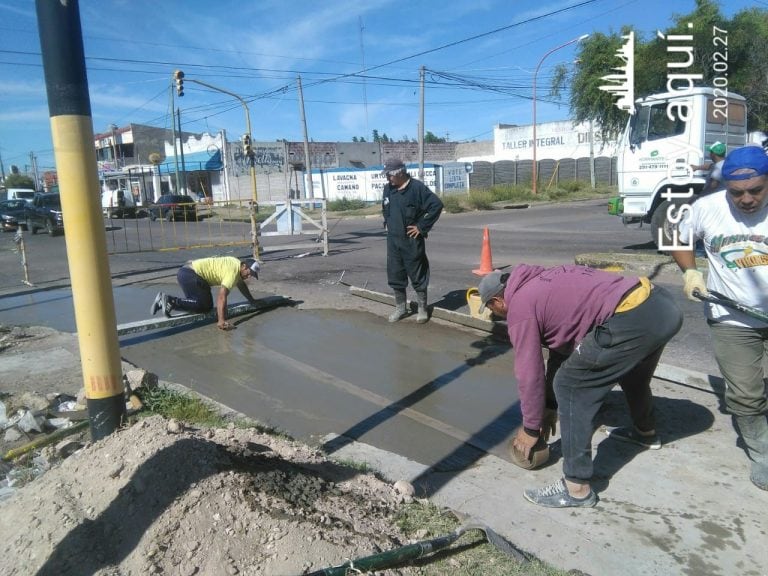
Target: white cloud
column 18, row 116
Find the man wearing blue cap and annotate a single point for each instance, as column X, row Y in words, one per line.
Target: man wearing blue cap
column 733, row 225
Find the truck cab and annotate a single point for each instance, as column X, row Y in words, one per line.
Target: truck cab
column 669, row 133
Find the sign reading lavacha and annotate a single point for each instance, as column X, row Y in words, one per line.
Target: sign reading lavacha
column 361, row 184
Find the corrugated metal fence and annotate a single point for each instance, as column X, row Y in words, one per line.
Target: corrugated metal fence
column 487, row 174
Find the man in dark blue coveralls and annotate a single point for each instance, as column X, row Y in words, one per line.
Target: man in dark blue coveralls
column 410, row 210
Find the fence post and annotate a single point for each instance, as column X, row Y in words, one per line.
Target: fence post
column 19, row 239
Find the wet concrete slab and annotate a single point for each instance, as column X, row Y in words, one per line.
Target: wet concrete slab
column 312, row 373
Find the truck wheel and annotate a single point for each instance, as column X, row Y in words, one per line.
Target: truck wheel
column 50, row 228
column 31, row 227
column 660, row 222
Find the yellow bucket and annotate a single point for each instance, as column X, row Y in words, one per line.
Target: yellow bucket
column 473, row 301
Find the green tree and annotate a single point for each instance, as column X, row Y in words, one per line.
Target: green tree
column 747, row 64
column 19, row 181
column 430, row 138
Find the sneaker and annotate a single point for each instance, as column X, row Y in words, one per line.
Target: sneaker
column 157, row 304
column 167, row 306
column 633, row 436
column 556, row 496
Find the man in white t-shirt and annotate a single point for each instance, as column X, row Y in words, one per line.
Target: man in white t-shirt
column 733, row 225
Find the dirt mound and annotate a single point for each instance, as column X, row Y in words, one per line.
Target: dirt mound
column 156, row 498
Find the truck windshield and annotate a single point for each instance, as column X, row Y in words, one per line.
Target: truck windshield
column 652, row 123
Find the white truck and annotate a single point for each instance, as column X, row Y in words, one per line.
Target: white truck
column 667, row 134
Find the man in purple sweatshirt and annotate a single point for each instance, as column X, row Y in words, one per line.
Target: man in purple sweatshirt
column 601, row 329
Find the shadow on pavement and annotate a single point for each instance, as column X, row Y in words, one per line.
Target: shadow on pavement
column 675, row 419
column 469, row 451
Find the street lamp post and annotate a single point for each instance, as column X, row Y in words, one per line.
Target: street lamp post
column 535, row 166
column 255, row 232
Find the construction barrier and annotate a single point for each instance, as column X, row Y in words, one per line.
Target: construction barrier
column 215, row 224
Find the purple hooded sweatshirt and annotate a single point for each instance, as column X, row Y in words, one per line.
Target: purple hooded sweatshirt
column 554, row 308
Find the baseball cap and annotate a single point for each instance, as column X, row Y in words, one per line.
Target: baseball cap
column 253, row 266
column 393, row 165
column 752, row 160
column 717, row 148
column 491, row 285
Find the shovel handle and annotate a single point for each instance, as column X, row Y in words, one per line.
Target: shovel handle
column 717, row 298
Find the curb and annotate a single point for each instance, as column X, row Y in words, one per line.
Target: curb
column 646, row 264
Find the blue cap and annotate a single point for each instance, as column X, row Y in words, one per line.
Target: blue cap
column 749, row 161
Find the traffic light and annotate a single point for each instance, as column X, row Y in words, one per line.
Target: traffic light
column 178, row 76
column 247, row 149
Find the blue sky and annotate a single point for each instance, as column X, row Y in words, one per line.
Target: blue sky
column 480, row 57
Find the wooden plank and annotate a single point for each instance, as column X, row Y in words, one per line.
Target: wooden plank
column 233, row 310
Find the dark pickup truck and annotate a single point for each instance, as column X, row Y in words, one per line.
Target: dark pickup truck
column 44, row 212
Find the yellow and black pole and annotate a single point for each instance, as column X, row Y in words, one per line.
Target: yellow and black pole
column 69, row 106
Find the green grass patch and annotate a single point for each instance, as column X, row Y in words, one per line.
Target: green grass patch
column 346, row 204
column 452, row 204
column 470, row 555
column 184, row 407
column 488, row 198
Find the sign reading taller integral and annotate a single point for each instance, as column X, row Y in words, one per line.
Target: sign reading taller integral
column 554, row 141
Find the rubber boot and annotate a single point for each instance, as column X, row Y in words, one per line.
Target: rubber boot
column 422, row 315
column 754, row 433
column 400, row 311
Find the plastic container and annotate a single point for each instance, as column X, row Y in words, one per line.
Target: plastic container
column 473, row 301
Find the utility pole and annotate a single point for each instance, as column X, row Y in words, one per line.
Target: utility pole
column 177, row 188
column 362, row 57
column 181, row 149
column 307, row 160
column 35, row 175
column 592, row 155
column 421, row 126
column 69, row 106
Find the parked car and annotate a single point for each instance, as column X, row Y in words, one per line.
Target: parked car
column 11, row 213
column 118, row 204
column 19, row 194
column 174, row 207
column 45, row 212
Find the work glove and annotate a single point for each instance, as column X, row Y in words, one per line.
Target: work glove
column 548, row 424
column 694, row 280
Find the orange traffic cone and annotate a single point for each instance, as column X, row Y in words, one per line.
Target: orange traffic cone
column 486, row 267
